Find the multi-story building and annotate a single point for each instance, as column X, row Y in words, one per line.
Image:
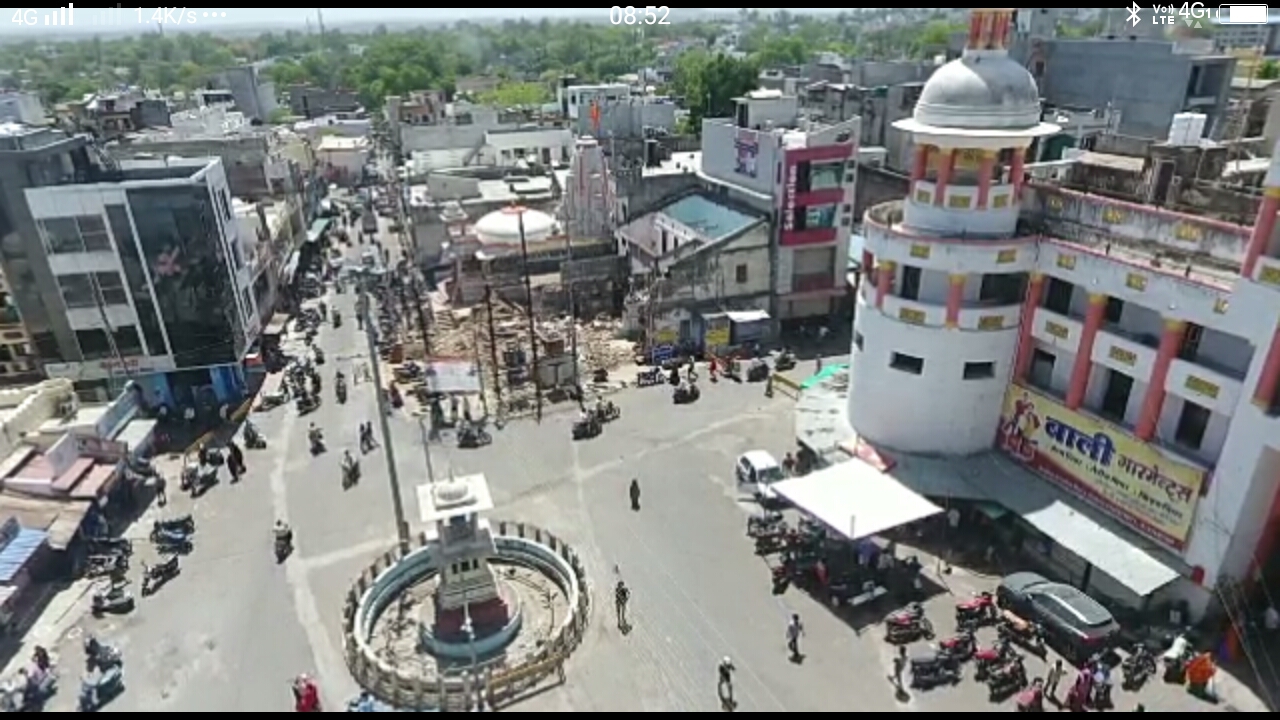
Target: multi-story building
column 127, row 272
column 802, row 173
column 1124, row 358
column 18, row 363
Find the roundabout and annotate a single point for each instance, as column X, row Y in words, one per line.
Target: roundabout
column 473, row 612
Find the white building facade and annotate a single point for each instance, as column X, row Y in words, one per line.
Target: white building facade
column 1148, row 393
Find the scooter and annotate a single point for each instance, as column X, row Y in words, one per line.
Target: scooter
column 977, row 611
column 317, row 443
column 112, row 598
column 907, row 625
column 1007, row 678
column 960, row 646
column 100, row 687
column 350, row 474
column 253, row 439
column 182, row 523
column 154, row 576
column 283, row 545
column 171, row 542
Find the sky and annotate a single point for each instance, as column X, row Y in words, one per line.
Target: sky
column 239, row 17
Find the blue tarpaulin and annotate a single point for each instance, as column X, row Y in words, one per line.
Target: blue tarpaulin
column 22, row 545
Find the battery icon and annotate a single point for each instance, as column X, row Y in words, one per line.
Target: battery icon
column 1243, row 14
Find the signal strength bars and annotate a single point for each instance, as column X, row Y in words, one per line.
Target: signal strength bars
column 107, row 16
column 63, row 16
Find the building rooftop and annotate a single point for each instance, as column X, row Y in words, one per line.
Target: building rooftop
column 708, row 218
column 678, row 164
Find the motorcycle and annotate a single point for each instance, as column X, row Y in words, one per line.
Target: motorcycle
column 984, row 659
column 101, row 656
column 272, row 400
column 931, row 670
column 181, row 523
column 154, row 576
column 108, row 564
column 607, row 412
column 471, row 436
column 252, row 437
column 758, row 371
column 908, row 624
column 1175, row 659
column 100, row 687
column 1029, row 635
column 340, row 389
column 1137, row 667
column 283, row 545
column 113, row 598
column 960, row 646
column 649, row 378
column 350, row 474
column 977, row 611
column 316, row 438
column 307, row 403
column 685, row 394
column 337, row 319
column 1007, row 678
column 197, row 477
column 786, row 360
column 1031, row 699
column 319, row 355
column 585, row 428
column 765, row 523
column 110, row 546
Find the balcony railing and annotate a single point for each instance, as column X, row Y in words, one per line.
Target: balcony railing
column 811, row 282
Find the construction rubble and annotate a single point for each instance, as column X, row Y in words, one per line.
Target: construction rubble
column 464, row 333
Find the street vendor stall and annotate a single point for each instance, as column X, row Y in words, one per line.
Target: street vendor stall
column 855, row 499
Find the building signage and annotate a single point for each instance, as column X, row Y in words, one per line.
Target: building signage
column 717, row 338
column 747, row 149
column 1201, row 386
column 920, row 251
column 991, row 322
column 1056, row 330
column 1130, row 479
column 1134, row 281
column 789, row 201
column 1122, row 356
column 1004, row 257
column 1112, row 215
column 1269, row 275
column 1066, row 262
column 101, row 369
column 910, row 315
column 1220, row 306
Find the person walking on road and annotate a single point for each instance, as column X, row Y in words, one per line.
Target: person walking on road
column 1054, row 678
column 235, row 460
column 621, row 596
column 794, row 630
column 162, row 497
column 899, row 667
column 725, row 686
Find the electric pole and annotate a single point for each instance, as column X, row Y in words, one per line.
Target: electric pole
column 528, row 304
column 388, row 449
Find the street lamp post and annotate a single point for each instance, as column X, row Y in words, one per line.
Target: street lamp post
column 393, row 475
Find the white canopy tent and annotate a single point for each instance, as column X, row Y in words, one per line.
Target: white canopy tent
column 856, row 499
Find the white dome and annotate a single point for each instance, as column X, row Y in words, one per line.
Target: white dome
column 503, row 226
column 980, row 92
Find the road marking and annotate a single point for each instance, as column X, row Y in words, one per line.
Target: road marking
column 353, row 552
column 330, row 666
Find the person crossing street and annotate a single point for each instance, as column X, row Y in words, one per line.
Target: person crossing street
column 621, row 596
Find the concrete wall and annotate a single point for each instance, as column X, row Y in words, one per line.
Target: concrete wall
column 27, row 408
column 1145, row 79
column 440, row 137
column 628, row 119
column 243, row 157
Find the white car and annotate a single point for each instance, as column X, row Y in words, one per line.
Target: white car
column 756, row 473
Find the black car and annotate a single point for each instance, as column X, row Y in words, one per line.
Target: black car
column 1075, row 624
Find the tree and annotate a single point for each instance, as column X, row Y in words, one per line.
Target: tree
column 1268, row 70
column 517, row 94
column 709, row 83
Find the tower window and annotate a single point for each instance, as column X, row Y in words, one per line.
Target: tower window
column 979, row 370
column 907, row 363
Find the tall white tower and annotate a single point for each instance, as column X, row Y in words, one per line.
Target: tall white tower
column 936, row 331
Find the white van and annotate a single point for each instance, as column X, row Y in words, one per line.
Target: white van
column 756, row 472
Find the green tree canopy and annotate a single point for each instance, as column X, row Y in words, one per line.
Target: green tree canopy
column 708, row 83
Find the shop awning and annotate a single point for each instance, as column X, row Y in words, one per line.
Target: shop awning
column 277, row 324
column 856, row 499
column 291, row 266
column 1100, row 541
column 747, row 316
column 137, row 434
column 22, row 546
column 318, row 229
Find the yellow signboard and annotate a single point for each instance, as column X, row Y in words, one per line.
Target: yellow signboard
column 920, row 251
column 1006, row 256
column 911, row 315
column 1057, row 330
column 1066, row 262
column 1202, row 386
column 991, row 322
column 1134, row 281
column 1120, row 355
column 717, row 338
column 666, row 336
column 1129, row 478
column 1269, row 275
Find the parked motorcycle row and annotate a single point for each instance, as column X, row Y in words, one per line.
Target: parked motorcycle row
column 593, row 419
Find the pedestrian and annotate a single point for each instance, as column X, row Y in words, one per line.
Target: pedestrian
column 899, row 666
column 162, row 498
column 621, row 596
column 794, row 630
column 725, row 686
column 1053, row 679
column 235, row 459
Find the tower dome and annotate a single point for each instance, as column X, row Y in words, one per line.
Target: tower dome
column 980, row 92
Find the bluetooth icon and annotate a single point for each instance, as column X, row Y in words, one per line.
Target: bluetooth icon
column 1134, row 11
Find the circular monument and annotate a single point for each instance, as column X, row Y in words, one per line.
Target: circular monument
column 472, row 611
